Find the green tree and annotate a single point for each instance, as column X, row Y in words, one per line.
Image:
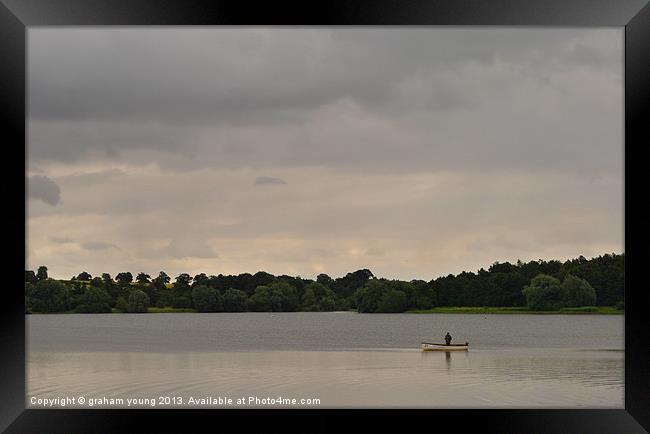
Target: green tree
column 367, row 298
column 183, row 279
column 41, row 274
column 30, row 277
column 309, row 303
column 182, row 301
column 121, row 304
column 29, row 289
column 234, row 300
column 284, row 297
column 393, row 301
column 207, row 299
column 422, row 296
column 110, row 287
column 47, row 296
column 346, row 286
column 507, row 288
column 151, row 290
column 161, row 281
column 142, row 277
column 585, row 281
column 279, row 296
column 182, row 285
column 318, row 297
column 260, row 300
column 261, row 278
column 201, row 279
column 94, row 300
column 543, row 293
column 84, row 275
column 124, row 278
column 138, row 302
column 107, row 279
column 165, row 297
column 324, row 280
column 328, row 302
column 75, row 292
column 577, row 292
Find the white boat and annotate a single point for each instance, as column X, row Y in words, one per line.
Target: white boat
column 428, row 346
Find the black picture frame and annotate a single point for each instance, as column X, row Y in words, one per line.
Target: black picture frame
column 18, row 15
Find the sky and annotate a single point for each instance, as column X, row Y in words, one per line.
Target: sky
column 412, row 151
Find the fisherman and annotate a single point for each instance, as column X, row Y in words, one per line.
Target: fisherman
column 448, row 338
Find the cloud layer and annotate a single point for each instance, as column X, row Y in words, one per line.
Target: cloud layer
column 44, row 189
column 411, row 151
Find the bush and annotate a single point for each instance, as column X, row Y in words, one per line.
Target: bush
column 284, row 297
column 543, row 293
column 577, row 292
column 423, row 296
column 151, row 290
column 234, row 300
column 47, row 296
column 120, row 304
column 276, row 297
column 94, row 300
column 165, row 297
column 367, row 297
column 620, row 305
column 580, row 309
column 260, row 301
column 182, row 302
column 328, row 301
column 393, row 301
column 138, row 302
column 207, row 299
column 309, row 300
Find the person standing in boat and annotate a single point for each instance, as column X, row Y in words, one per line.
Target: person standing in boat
column 448, row 338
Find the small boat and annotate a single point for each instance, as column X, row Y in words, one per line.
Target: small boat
column 428, row 346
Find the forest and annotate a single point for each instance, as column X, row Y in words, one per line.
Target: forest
column 536, row 285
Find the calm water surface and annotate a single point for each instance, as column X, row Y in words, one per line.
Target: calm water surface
column 344, row 359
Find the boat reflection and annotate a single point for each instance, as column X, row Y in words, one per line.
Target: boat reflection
column 448, row 356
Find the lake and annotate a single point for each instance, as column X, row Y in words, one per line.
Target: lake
column 341, row 359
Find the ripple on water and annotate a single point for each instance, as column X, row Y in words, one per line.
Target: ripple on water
column 346, row 360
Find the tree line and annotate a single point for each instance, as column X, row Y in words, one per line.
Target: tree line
column 539, row 285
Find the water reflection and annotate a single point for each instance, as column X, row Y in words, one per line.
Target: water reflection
column 287, row 354
column 434, row 356
column 605, row 368
column 340, row 378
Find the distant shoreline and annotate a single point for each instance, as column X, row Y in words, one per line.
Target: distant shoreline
column 590, row 310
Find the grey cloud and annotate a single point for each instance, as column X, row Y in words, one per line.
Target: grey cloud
column 374, row 251
column 256, row 97
column 86, row 245
column 586, row 55
column 98, row 245
column 44, row 189
column 70, row 141
column 269, row 180
column 61, row 240
column 292, row 69
column 189, row 247
column 36, row 169
column 436, row 222
column 97, row 177
column 410, row 150
column 138, row 80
